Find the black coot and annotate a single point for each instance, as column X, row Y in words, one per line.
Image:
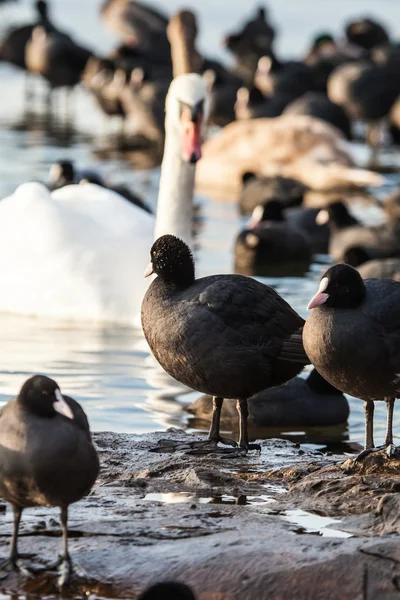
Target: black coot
column 347, row 232
column 311, row 402
column 46, row 459
column 317, row 104
column 224, row 335
column 373, row 264
column 64, row 173
column 259, row 190
column 305, row 219
column 352, row 337
column 271, row 245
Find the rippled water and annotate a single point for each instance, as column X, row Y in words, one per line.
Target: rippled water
column 109, row 370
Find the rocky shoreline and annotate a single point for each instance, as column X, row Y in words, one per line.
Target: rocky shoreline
column 232, row 529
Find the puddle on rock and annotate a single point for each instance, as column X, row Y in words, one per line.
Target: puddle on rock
column 180, row 497
column 314, row 524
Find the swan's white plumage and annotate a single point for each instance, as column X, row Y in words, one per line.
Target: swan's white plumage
column 80, row 252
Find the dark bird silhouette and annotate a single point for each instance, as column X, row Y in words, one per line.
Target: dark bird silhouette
column 270, row 244
column 347, row 232
column 352, row 337
column 225, row 335
column 64, row 173
column 13, row 45
column 259, row 190
column 46, row 459
column 366, row 33
column 316, row 104
column 168, row 590
column 249, row 44
column 298, row 403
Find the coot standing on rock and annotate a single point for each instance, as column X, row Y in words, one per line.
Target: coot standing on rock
column 46, row 459
column 352, row 337
column 225, row 335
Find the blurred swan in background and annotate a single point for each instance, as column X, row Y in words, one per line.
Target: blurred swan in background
column 80, row 252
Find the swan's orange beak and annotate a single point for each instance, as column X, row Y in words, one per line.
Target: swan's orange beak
column 191, row 136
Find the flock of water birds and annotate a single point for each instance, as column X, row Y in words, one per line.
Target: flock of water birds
column 83, row 244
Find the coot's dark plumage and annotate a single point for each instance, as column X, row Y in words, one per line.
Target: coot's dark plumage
column 366, row 33
column 12, row 47
column 352, row 337
column 305, row 219
column 298, row 403
column 168, row 590
column 372, row 265
column 64, row 173
column 347, row 232
column 259, row 190
column 249, row 44
column 269, row 241
column 224, row 335
column 252, row 104
column 317, row 104
column 46, row 458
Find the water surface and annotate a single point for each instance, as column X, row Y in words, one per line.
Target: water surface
column 108, row 369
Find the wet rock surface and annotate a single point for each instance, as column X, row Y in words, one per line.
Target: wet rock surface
column 288, row 523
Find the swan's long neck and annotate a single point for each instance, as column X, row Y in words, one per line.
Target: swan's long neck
column 175, row 197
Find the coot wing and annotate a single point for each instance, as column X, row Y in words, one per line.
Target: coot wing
column 80, row 418
column 382, row 304
column 255, row 312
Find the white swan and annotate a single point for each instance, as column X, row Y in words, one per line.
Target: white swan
column 80, row 252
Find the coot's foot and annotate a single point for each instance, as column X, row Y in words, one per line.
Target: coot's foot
column 9, row 565
column 238, row 452
column 66, row 569
column 390, row 451
column 209, row 446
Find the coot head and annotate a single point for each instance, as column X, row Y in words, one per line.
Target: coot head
column 337, row 215
column 323, row 39
column 169, row 590
column 172, row 260
column 340, row 287
column 61, row 173
column 41, row 396
column 356, row 256
column 271, row 211
column 367, row 33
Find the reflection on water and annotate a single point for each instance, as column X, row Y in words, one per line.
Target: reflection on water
column 183, row 497
column 109, row 370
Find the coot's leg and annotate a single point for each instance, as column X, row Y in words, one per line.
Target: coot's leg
column 244, row 445
column 369, row 445
column 13, row 563
column 209, row 446
column 388, row 445
column 64, row 564
column 243, row 410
